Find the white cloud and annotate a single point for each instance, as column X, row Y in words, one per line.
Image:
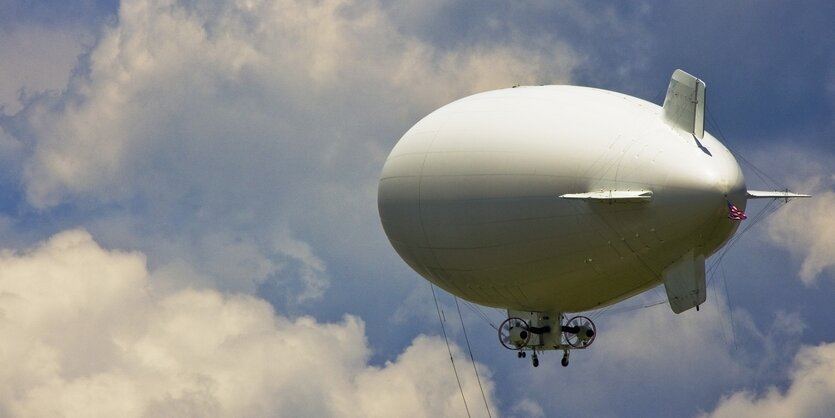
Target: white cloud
column 227, row 135
column 805, row 227
column 685, row 361
column 528, row 408
column 86, row 334
column 311, row 268
column 811, row 392
column 197, row 86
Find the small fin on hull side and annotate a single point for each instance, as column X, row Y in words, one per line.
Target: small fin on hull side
column 619, row 196
column 684, row 105
column 684, row 282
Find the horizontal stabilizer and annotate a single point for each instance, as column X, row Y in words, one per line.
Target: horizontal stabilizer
column 684, row 105
column 782, row 194
column 684, row 282
column 620, row 196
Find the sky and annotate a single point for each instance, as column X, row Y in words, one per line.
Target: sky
column 188, row 215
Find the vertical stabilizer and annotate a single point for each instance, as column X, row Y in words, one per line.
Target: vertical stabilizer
column 684, row 106
column 684, row 282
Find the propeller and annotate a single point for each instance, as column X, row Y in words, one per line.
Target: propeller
column 579, row 331
column 514, row 333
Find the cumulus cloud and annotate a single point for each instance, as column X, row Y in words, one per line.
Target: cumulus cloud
column 228, row 135
column 85, row 333
column 528, row 408
column 237, row 145
column 690, row 359
column 181, row 83
column 811, row 392
column 805, row 227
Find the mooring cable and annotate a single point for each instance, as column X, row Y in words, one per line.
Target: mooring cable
column 472, row 358
column 451, row 359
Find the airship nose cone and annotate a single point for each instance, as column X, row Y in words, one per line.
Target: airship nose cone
column 722, row 182
column 712, row 174
column 725, row 174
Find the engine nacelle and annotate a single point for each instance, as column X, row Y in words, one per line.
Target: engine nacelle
column 519, row 336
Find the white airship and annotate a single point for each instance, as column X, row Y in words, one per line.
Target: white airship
column 545, row 200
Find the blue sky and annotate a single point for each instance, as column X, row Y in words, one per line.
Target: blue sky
column 189, row 216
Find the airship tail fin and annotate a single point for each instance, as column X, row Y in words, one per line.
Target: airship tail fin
column 684, row 106
column 684, row 282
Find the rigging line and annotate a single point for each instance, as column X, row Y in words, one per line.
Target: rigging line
column 730, row 310
column 600, row 215
column 472, row 358
column 731, row 243
column 597, row 313
column 763, row 176
column 765, row 213
column 443, row 328
column 473, row 307
column 718, row 260
column 631, row 308
column 722, row 328
column 770, row 209
column 641, row 260
column 610, row 309
column 650, row 305
column 754, row 220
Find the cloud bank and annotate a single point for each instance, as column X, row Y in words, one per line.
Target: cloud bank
column 811, row 392
column 804, row 227
column 223, row 137
column 807, row 228
column 222, row 140
column 190, row 86
column 86, row 334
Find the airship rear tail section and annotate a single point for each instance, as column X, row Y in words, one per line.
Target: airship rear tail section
column 684, row 106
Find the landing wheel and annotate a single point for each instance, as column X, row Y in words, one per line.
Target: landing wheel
column 564, row 361
column 514, row 334
column 586, row 332
column 535, row 360
column 521, row 354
